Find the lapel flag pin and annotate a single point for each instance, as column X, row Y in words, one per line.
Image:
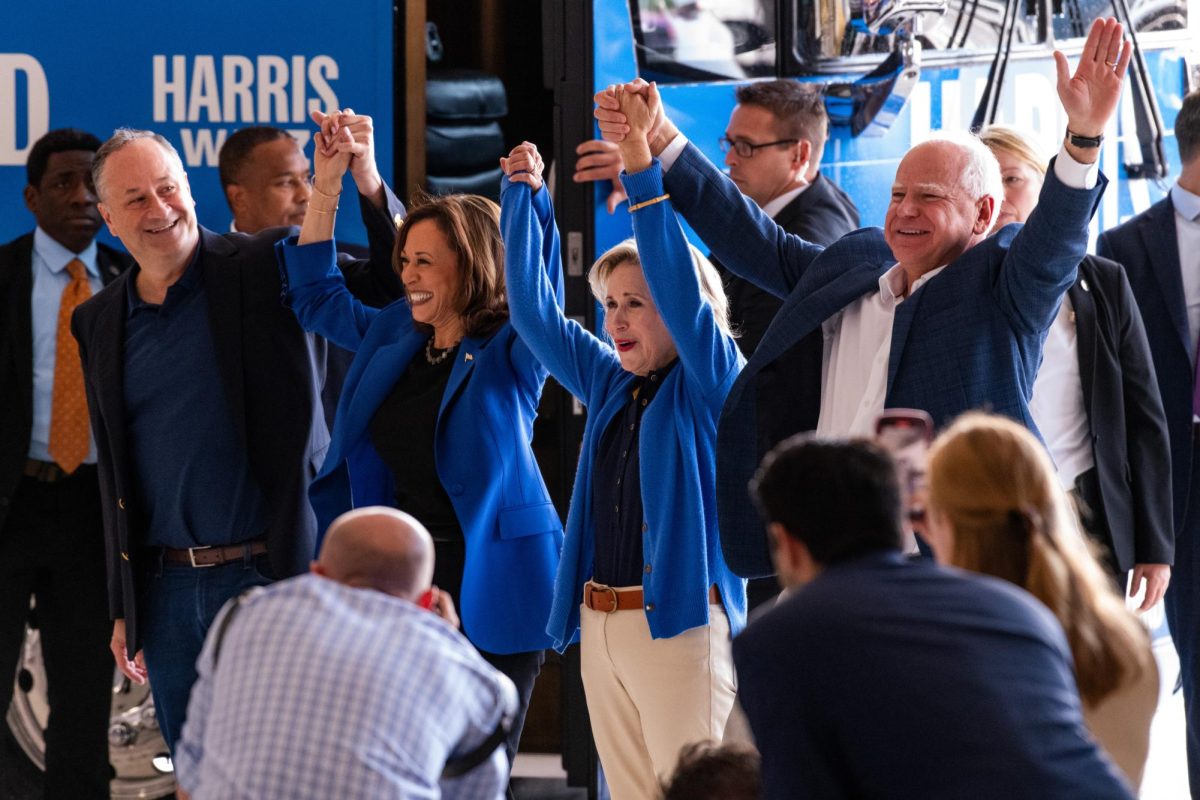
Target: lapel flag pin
column 468, row 357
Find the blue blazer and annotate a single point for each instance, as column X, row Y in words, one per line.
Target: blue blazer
column 970, row 338
column 1148, row 248
column 482, row 447
column 680, row 544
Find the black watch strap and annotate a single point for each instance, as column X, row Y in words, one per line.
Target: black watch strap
column 1084, row 141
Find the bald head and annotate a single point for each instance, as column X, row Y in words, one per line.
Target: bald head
column 378, row 548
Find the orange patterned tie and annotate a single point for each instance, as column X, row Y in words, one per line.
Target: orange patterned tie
column 68, row 406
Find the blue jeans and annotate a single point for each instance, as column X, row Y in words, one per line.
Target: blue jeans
column 180, row 605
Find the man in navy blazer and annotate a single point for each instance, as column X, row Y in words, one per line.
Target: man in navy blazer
column 203, row 396
column 879, row 677
column 927, row 313
column 1160, row 250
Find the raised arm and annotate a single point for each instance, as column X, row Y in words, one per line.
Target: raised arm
column 573, row 356
column 744, row 239
column 709, row 355
column 313, row 284
column 1043, row 257
column 373, row 281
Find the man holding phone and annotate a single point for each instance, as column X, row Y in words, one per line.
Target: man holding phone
column 346, row 660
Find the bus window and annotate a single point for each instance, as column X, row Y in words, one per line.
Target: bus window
column 1147, row 16
column 703, row 40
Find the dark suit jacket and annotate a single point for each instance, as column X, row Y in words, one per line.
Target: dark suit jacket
column 266, row 364
column 889, row 679
column 1125, row 416
column 1148, row 249
column 822, row 214
column 16, row 354
column 969, row 338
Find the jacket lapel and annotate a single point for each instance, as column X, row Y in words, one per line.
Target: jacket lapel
column 1084, row 309
column 107, row 355
column 223, row 288
column 1161, row 246
column 464, row 365
column 902, row 321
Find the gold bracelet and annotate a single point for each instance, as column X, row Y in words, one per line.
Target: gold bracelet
column 323, row 211
column 324, row 194
column 651, row 202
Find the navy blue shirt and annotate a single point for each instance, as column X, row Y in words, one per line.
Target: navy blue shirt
column 192, row 470
column 617, row 489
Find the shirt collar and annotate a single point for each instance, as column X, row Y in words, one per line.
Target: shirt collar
column 1187, row 205
column 892, row 284
column 646, row 386
column 773, row 208
column 188, row 281
column 56, row 256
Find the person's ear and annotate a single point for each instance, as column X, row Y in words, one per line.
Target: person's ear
column 985, row 214
column 31, row 195
column 236, row 197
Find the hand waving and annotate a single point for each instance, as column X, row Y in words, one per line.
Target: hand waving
column 1090, row 96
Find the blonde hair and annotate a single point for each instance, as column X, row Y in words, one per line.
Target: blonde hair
column 995, row 484
column 711, row 288
column 1019, row 145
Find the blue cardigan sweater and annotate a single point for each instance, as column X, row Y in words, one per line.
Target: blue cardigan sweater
column 482, row 447
column 678, row 442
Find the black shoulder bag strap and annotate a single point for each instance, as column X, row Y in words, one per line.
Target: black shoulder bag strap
column 457, row 767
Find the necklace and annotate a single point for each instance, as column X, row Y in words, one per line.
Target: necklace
column 432, row 359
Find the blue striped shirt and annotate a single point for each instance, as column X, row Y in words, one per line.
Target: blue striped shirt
column 324, row 690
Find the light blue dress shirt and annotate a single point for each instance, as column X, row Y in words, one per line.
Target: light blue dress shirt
column 50, row 277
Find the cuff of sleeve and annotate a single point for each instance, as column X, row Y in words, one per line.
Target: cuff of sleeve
column 672, row 151
column 306, row 263
column 643, row 185
column 1073, row 174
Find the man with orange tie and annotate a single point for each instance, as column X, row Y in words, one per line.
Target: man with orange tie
column 51, row 540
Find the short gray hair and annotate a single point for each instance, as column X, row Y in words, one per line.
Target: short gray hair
column 120, row 138
column 711, row 288
column 981, row 178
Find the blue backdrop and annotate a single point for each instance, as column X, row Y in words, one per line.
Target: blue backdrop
column 195, row 74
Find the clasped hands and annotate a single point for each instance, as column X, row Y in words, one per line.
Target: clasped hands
column 345, row 141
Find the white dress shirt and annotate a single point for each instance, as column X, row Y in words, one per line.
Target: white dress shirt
column 1187, row 234
column 773, row 208
column 858, row 344
column 1057, row 403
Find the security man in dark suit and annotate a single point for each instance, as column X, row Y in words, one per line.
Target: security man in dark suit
column 51, row 541
column 1160, row 250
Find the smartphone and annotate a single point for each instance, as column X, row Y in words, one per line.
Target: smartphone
column 906, row 434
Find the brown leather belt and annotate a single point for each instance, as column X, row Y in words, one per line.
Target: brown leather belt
column 606, row 599
column 49, row 472
column 214, row 556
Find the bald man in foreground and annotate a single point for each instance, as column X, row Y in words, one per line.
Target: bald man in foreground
column 341, row 683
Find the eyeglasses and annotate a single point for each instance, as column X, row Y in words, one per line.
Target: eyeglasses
column 746, row 149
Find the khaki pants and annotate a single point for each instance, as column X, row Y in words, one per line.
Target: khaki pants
column 647, row 698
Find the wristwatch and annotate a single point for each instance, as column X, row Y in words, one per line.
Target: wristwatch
column 1085, row 142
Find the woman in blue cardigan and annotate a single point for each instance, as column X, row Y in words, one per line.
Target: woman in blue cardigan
column 436, row 414
column 642, row 551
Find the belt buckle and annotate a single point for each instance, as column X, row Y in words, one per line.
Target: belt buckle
column 192, row 556
column 607, row 590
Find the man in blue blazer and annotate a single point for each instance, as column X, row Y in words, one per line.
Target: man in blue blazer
column 879, row 677
column 927, row 313
column 1160, row 249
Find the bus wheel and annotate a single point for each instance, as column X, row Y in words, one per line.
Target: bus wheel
column 136, row 748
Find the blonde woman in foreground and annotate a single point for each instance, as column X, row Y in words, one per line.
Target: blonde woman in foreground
column 996, row 507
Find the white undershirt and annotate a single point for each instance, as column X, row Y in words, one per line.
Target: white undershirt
column 1057, row 403
column 858, row 343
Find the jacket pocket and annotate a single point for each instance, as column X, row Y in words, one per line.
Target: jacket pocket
column 530, row 520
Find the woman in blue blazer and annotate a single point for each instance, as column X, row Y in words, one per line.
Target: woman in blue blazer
column 436, row 414
column 642, row 550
